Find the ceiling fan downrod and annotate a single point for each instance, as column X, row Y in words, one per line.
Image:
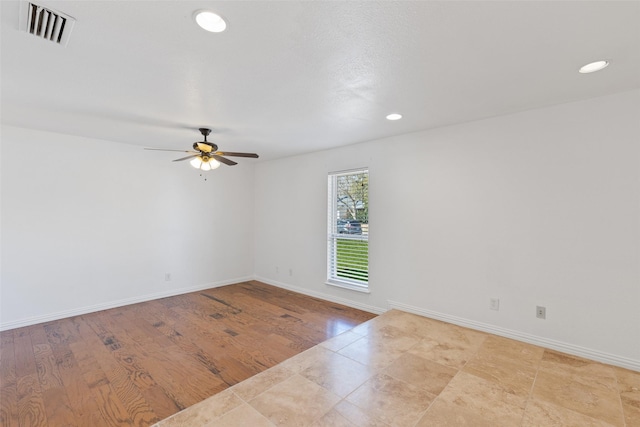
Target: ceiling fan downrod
column 205, row 132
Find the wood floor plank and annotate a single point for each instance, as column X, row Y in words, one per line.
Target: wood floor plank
column 25, row 359
column 54, row 395
column 118, row 379
column 82, row 400
column 163, row 357
column 152, row 323
column 227, row 352
column 254, row 316
column 83, row 377
column 165, row 364
column 58, row 408
column 31, row 411
column 8, row 381
column 267, row 312
column 111, row 408
column 48, row 373
column 162, row 404
column 134, row 365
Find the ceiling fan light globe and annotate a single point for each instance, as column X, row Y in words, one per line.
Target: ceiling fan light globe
column 214, row 164
column 205, row 166
column 196, row 162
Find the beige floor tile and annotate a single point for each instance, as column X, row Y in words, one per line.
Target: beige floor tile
column 409, row 323
column 380, row 350
column 412, row 324
column 251, row 387
column 374, row 324
column 358, row 416
column 391, row 314
column 336, row 327
column 540, row 413
column 628, row 384
column 488, row 400
column 588, row 372
column 513, row 375
column 390, row 400
column 243, row 415
column 390, row 333
column 338, row 342
column 338, row 374
column 421, row 372
column 452, row 348
column 364, row 328
column 629, row 387
column 334, row 418
column 294, row 402
column 305, row 359
column 631, row 411
column 512, row 350
column 447, row 414
column 464, row 336
column 593, row 401
column 204, row 412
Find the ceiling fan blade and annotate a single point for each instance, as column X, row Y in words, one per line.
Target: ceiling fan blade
column 185, row 158
column 223, row 160
column 232, row 154
column 180, row 151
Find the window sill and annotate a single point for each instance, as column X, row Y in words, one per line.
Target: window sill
column 345, row 285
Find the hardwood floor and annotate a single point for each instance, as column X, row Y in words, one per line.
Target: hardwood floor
column 135, row 365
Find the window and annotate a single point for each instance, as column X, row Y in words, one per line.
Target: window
column 348, row 230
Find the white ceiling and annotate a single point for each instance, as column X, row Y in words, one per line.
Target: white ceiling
column 292, row 77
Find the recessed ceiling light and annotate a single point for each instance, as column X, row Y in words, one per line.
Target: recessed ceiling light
column 593, row 67
column 210, row 21
column 394, row 116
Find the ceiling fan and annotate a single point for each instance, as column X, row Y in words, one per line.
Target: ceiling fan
column 205, row 154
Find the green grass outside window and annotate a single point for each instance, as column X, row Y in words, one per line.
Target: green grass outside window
column 352, row 257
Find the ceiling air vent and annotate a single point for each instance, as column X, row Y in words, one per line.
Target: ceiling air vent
column 45, row 23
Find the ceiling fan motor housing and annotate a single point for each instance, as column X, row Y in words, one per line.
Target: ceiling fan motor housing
column 198, row 146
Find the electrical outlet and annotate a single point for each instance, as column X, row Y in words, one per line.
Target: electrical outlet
column 494, row 304
column 291, row 272
column 277, row 269
column 167, row 277
column 541, row 312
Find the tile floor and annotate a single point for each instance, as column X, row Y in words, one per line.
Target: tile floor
column 400, row 369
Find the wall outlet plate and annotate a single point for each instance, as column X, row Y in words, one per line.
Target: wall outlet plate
column 541, row 312
column 494, row 304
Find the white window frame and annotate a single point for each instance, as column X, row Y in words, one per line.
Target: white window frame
column 333, row 236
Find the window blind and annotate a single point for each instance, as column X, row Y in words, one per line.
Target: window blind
column 348, row 228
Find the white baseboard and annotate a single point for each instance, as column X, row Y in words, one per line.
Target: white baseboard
column 114, row 304
column 323, row 296
column 587, row 353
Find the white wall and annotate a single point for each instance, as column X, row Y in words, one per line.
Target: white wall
column 89, row 224
column 536, row 208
